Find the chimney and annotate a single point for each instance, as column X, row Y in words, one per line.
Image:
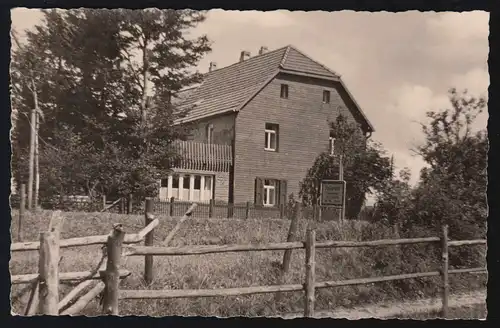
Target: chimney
column 244, row 54
column 262, row 50
column 213, row 66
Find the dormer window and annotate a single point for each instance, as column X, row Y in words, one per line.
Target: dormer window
column 284, row 91
column 326, row 97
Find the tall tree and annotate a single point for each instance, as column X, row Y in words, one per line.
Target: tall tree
column 366, row 167
column 452, row 189
column 106, row 95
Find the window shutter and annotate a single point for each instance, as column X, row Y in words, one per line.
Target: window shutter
column 259, row 189
column 283, row 192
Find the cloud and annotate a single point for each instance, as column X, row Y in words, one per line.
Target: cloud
column 460, row 26
column 476, row 81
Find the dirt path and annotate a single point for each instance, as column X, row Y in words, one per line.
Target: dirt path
column 403, row 309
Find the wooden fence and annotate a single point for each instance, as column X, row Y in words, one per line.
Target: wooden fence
column 115, row 250
column 248, row 210
column 44, row 285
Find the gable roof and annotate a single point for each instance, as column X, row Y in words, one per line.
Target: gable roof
column 231, row 88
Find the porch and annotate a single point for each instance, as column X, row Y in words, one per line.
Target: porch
column 204, row 156
column 202, row 174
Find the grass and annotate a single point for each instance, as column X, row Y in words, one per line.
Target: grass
column 243, row 269
column 469, row 312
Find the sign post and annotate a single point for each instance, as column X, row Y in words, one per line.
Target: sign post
column 332, row 194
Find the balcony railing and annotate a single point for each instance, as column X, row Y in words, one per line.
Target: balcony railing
column 204, row 156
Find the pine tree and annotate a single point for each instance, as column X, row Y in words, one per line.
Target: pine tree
column 101, row 134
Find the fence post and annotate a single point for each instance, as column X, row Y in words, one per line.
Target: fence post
column 49, row 273
column 172, row 200
column 230, row 210
column 122, row 205
column 148, row 241
column 282, row 210
column 211, row 208
column 292, row 233
column 315, row 210
column 22, row 208
column 111, row 275
column 444, row 271
column 247, row 211
column 309, row 287
column 129, row 204
column 103, row 202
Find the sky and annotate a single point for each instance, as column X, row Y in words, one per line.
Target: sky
column 397, row 65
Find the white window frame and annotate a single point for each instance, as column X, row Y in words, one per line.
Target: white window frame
column 332, row 146
column 268, row 134
column 210, row 133
column 191, row 178
column 268, row 189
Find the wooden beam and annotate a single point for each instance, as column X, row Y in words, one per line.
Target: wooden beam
column 84, row 300
column 309, row 285
column 172, row 233
column 74, row 293
column 181, row 293
column 374, row 243
column 363, row 281
column 111, row 274
column 445, row 288
column 455, row 243
column 292, row 237
column 49, row 273
column 209, row 249
column 149, row 240
column 63, row 276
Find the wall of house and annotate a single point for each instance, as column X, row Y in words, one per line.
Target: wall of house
column 221, row 184
column 223, row 132
column 303, row 132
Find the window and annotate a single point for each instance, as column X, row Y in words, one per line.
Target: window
column 210, row 133
column 284, row 91
column 271, row 137
column 269, row 192
column 193, row 187
column 175, row 181
column 197, row 182
column 331, row 144
column 326, row 96
column 185, row 183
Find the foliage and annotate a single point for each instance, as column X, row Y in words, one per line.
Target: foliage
column 453, row 189
column 365, row 167
column 393, row 199
column 94, row 72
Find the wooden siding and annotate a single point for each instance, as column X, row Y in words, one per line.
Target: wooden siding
column 303, row 132
column 223, row 129
column 203, row 156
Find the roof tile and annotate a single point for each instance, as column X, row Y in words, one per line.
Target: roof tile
column 228, row 88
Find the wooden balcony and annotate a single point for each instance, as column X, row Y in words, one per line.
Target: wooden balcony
column 204, row 156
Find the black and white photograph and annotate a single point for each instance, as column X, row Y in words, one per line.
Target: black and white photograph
column 223, row 163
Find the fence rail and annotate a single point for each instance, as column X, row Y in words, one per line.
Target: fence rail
column 44, row 285
column 109, row 273
column 310, row 285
